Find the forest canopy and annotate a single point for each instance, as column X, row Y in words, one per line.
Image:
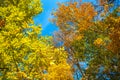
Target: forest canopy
column 89, row 33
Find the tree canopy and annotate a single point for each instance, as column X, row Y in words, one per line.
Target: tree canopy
column 87, row 33
column 95, row 41
column 23, row 54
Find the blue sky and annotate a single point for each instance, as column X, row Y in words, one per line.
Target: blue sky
column 43, row 18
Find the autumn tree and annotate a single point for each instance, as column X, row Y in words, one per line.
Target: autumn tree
column 24, row 55
column 90, row 40
column 73, row 19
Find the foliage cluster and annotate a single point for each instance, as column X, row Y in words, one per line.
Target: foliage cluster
column 23, row 54
column 90, row 39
